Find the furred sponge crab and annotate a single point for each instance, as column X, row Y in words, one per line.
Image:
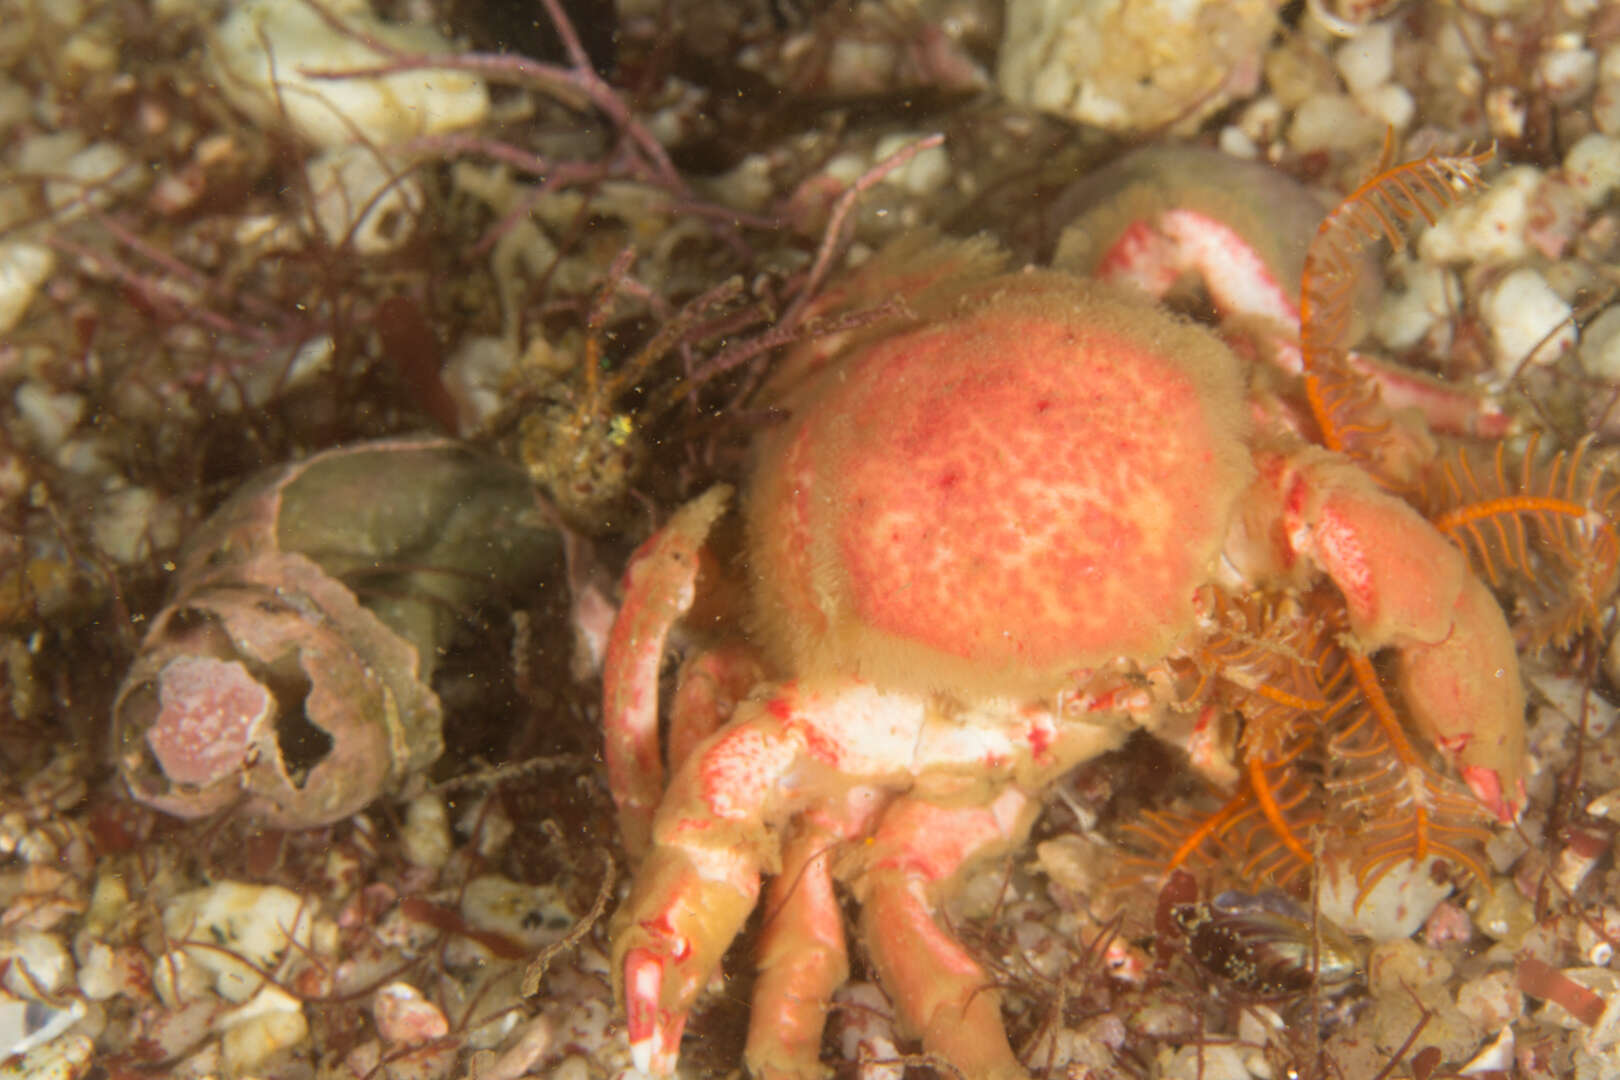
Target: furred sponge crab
column 974, row 549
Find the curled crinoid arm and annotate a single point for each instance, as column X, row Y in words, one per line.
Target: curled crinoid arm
column 1391, row 805
column 1270, row 656
column 1265, row 663
column 1543, row 530
column 1381, row 208
column 1239, row 841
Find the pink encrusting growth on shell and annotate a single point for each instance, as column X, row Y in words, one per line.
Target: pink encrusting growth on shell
column 206, row 714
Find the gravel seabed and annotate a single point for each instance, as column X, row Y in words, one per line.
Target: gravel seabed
column 204, row 273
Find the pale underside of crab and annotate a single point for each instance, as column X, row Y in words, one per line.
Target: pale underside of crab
column 972, row 552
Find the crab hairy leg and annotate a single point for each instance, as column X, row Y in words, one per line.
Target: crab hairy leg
column 941, row 993
column 802, row 958
column 659, row 587
column 1408, row 588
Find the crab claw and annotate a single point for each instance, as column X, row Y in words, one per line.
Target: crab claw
column 1486, row 784
column 692, row 894
column 655, row 1033
column 1466, row 697
column 659, row 587
column 1408, row 588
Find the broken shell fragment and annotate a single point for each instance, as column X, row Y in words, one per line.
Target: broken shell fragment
column 404, row 1017
column 1267, row 943
column 290, row 673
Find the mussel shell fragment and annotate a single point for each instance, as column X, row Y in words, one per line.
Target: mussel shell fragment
column 1267, row 943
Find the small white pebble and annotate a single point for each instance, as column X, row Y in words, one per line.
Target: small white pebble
column 23, row 269
column 1527, row 320
column 1556, row 215
column 1052, row 89
column 1236, row 142
column 1592, row 167
column 1495, row 1059
column 405, row 1018
column 1581, row 852
column 1209, row 1061
column 853, row 65
column 1606, row 107
column 1430, row 298
column 59, row 1059
column 1489, row 228
column 1332, row 122
column 1400, row 903
column 1367, row 60
column 47, row 418
column 364, row 199
column 1391, row 103
column 1394, row 965
column 260, row 52
column 1490, row 1000
column 1505, row 112
column 107, row 972
column 255, row 1041
column 925, row 173
column 1606, row 805
column 476, row 377
column 268, row 1001
column 235, row 929
column 426, row 835
column 93, row 177
column 128, row 523
column 1262, row 120
column 534, row 915
column 1502, row 914
column 1567, row 74
column 36, row 963
column 1569, row 696
column 863, row 1021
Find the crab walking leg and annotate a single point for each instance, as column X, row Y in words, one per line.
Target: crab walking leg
column 691, row 908
column 802, row 959
column 659, row 586
column 1454, row 410
column 710, row 686
column 1407, row 587
column 716, row 832
column 940, row 991
column 1240, row 281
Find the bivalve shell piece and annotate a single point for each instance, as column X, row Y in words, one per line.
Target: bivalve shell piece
column 268, row 684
